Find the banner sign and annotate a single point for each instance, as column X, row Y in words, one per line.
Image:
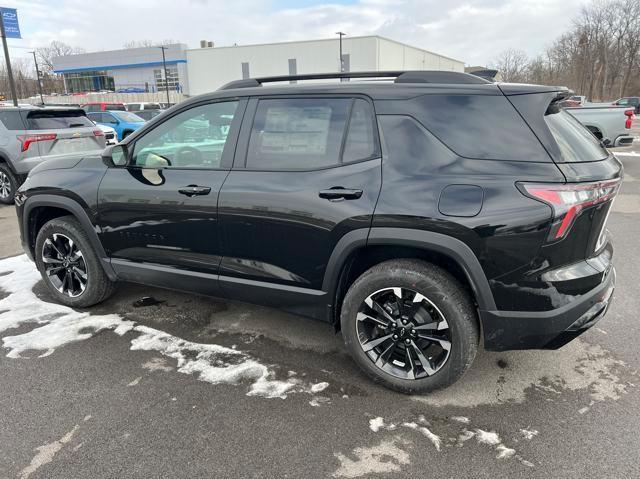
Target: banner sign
column 10, row 20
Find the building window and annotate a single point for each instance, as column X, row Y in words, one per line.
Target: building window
column 245, row 70
column 95, row 80
column 173, row 79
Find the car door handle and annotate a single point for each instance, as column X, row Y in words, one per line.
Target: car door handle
column 338, row 192
column 194, row 190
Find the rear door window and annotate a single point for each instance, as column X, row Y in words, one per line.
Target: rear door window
column 576, row 143
column 361, row 141
column 55, row 120
column 297, row 133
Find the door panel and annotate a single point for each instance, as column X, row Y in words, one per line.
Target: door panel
column 277, row 228
column 162, row 208
column 144, row 218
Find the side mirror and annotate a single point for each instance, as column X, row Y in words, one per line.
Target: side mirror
column 115, row 156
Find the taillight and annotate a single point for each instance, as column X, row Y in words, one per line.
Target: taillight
column 26, row 140
column 98, row 133
column 569, row 199
column 630, row 117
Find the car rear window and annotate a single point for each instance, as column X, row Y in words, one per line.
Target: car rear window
column 485, row 127
column 115, row 106
column 576, row 143
column 52, row 120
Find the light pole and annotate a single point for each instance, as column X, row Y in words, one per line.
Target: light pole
column 341, row 60
column 35, row 60
column 166, row 77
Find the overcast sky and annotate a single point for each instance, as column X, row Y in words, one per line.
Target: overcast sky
column 474, row 31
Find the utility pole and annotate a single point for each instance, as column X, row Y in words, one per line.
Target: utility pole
column 35, row 60
column 166, row 77
column 12, row 84
column 341, row 60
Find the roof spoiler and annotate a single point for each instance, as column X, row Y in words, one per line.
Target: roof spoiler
column 416, row 76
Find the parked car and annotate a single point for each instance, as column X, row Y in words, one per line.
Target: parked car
column 611, row 124
column 103, row 106
column 123, row 122
column 631, row 101
column 30, row 134
column 142, row 105
column 148, row 114
column 165, row 105
column 569, row 103
column 110, row 135
column 581, row 99
column 413, row 215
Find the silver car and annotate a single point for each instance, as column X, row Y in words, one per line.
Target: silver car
column 29, row 134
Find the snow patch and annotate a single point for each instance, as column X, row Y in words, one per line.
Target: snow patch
column 385, row 457
column 434, row 438
column 504, row 452
column 462, row 419
column 46, row 453
column 528, row 433
column 487, row 437
column 60, row 325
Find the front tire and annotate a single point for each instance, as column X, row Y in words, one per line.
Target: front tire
column 410, row 326
column 68, row 264
column 8, row 184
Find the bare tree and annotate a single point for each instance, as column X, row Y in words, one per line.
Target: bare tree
column 513, row 65
column 53, row 50
column 148, row 43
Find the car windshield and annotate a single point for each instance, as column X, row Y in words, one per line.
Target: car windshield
column 127, row 116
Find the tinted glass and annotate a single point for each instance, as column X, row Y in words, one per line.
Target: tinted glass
column 108, row 118
column 88, row 108
column 133, row 106
column 480, row 126
column 51, row 120
column 115, row 106
column 360, row 142
column 297, row 133
column 575, row 141
column 11, row 120
column 195, row 138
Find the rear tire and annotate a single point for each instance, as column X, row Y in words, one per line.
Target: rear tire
column 68, row 264
column 8, row 184
column 433, row 305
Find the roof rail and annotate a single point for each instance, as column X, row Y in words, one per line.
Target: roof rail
column 401, row 76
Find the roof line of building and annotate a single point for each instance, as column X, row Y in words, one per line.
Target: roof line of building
column 118, row 67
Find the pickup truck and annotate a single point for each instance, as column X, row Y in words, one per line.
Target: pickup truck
column 610, row 124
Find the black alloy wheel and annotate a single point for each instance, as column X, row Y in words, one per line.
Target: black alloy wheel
column 403, row 333
column 64, row 265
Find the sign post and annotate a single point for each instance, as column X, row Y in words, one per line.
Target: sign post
column 9, row 28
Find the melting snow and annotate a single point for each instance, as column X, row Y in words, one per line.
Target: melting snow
column 462, row 419
column 434, row 438
column 61, row 325
column 376, row 424
column 504, row 452
column 487, row 437
column 528, row 433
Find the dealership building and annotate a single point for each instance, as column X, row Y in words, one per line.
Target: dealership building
column 204, row 69
column 128, row 70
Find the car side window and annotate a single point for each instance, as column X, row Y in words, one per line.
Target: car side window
column 297, row 133
column 194, row 138
column 109, row 118
column 360, row 143
column 12, row 120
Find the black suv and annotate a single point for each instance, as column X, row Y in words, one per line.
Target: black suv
column 412, row 214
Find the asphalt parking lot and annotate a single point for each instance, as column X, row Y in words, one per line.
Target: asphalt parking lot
column 186, row 386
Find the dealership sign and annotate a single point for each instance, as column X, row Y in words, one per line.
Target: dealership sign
column 10, row 20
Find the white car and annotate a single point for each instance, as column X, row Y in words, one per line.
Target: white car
column 142, row 105
column 110, row 135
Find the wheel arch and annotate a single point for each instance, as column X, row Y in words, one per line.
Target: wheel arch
column 357, row 251
column 42, row 208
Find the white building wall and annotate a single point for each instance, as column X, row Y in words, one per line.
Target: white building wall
column 398, row 56
column 210, row 68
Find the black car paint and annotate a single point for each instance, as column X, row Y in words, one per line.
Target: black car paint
column 269, row 238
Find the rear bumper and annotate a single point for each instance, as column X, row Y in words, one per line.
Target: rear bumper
column 508, row 330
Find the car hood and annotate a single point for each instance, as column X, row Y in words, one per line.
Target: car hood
column 62, row 162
